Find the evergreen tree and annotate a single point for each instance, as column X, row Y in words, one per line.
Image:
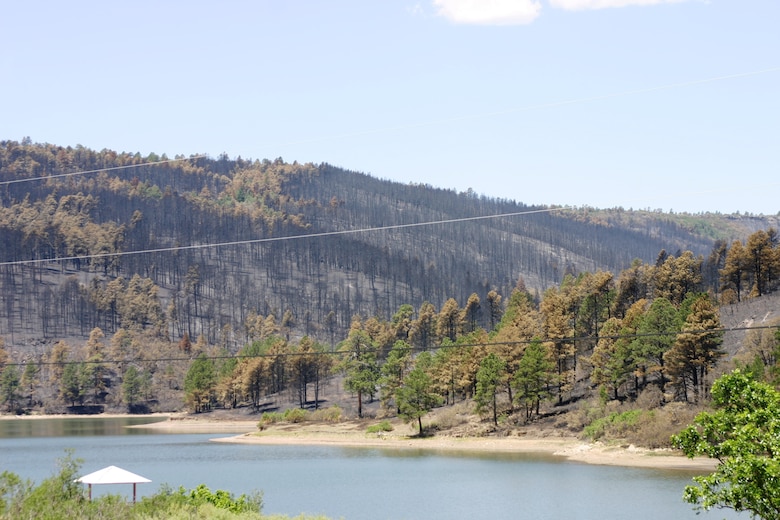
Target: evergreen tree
column 416, row 397
column 393, row 372
column 450, row 321
column 632, row 286
column 598, row 292
column 57, row 358
column 695, row 351
column 72, row 383
column 533, row 378
column 199, row 383
column 423, row 330
column 131, row 387
column 471, row 313
column 94, row 371
column 360, row 366
column 558, row 326
column 611, row 359
column 3, row 354
column 9, row 387
column 401, row 322
column 734, row 271
column 303, row 368
column 494, row 308
column 676, row 277
column 655, row 337
column 489, row 376
column 29, row 381
column 520, row 324
column 761, row 256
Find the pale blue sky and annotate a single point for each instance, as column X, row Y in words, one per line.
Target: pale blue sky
column 671, row 105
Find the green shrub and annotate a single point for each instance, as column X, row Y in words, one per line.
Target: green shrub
column 295, row 415
column 270, row 418
column 224, row 500
column 614, row 425
column 383, row 426
column 332, row 414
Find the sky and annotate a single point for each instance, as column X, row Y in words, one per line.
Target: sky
column 668, row 105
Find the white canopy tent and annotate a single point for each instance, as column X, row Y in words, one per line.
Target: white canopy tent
column 112, row 475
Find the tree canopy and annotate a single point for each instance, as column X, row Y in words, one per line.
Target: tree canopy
column 743, row 434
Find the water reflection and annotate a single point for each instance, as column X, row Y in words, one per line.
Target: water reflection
column 74, row 426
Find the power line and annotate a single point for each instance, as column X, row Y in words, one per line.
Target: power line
column 279, row 239
column 112, row 168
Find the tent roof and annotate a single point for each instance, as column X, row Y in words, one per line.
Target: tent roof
column 112, row 475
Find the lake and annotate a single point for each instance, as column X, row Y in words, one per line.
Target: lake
column 352, row 483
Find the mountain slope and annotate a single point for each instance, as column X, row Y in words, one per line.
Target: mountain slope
column 224, row 241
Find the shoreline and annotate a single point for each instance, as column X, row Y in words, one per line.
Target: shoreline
column 352, row 435
column 568, row 448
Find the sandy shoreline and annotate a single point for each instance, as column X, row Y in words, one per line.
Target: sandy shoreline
column 352, row 434
column 567, row 447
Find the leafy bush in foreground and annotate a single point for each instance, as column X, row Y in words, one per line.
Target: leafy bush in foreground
column 201, row 498
column 743, row 435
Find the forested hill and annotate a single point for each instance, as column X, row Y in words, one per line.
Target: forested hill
column 311, row 245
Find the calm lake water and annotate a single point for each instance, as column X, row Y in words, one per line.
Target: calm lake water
column 352, row 483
